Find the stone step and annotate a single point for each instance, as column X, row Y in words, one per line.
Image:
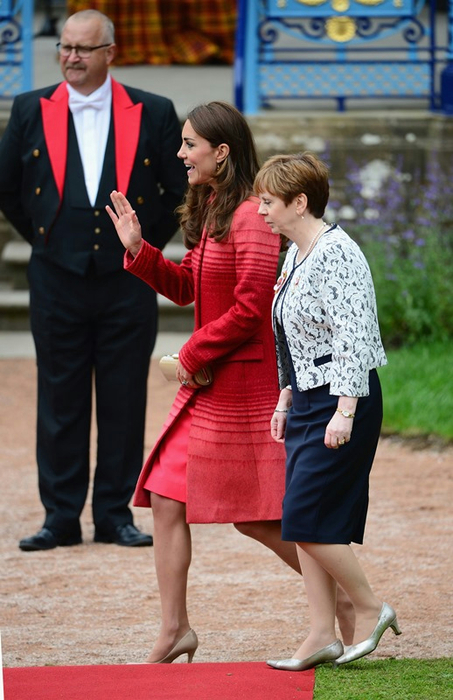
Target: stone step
column 14, row 312
column 16, row 254
column 15, row 298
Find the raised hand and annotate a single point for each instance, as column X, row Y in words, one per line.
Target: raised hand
column 126, row 222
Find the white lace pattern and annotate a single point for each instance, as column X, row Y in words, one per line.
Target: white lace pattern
column 325, row 313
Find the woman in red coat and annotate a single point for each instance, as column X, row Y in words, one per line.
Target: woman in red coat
column 214, row 461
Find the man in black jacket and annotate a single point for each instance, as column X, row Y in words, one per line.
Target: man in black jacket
column 65, row 149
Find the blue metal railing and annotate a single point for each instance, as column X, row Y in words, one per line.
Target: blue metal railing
column 340, row 49
column 16, row 35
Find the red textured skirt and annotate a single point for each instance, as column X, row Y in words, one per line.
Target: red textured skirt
column 168, row 473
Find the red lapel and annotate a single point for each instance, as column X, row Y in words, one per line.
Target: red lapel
column 126, row 121
column 55, row 125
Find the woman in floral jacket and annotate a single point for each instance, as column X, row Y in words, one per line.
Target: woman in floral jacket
column 329, row 412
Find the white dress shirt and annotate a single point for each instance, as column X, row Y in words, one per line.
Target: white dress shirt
column 91, row 114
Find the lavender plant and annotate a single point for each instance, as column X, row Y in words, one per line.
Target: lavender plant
column 404, row 224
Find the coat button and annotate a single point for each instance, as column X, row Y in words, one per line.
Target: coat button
column 97, row 230
column 36, row 153
column 140, row 200
column 96, row 246
column 41, row 230
column 147, row 162
column 38, row 190
column 96, row 212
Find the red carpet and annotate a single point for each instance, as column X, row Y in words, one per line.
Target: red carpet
column 243, row 681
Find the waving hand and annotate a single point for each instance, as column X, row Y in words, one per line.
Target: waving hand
column 126, row 222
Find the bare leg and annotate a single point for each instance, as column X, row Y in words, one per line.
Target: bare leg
column 172, row 556
column 340, row 562
column 345, row 616
column 269, row 533
column 321, row 591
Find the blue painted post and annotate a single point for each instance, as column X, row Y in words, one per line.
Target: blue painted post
column 251, row 74
column 450, row 30
column 239, row 55
column 446, row 78
column 27, row 21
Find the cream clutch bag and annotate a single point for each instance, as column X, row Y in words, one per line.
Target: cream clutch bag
column 167, row 365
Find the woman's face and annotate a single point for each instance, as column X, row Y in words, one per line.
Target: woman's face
column 280, row 217
column 199, row 157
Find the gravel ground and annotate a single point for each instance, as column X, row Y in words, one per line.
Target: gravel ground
column 98, row 604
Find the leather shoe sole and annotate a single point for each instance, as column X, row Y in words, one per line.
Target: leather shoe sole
column 124, row 535
column 46, row 539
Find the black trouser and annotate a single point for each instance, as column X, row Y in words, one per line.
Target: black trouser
column 85, row 328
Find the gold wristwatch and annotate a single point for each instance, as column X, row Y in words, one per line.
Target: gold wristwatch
column 345, row 413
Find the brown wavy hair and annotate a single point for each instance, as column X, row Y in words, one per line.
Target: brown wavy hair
column 219, row 122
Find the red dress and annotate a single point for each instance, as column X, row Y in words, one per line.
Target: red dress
column 168, row 476
column 235, row 471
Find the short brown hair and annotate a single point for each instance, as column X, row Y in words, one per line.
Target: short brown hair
column 286, row 176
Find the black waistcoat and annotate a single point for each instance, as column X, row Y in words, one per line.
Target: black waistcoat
column 83, row 237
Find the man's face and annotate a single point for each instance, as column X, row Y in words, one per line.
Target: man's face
column 85, row 74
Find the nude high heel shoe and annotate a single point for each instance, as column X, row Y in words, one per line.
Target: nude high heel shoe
column 186, row 645
column 323, row 656
column 386, row 619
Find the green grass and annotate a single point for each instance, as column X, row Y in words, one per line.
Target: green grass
column 390, row 679
column 417, row 385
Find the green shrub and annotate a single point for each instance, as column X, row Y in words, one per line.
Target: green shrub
column 404, row 225
column 414, row 285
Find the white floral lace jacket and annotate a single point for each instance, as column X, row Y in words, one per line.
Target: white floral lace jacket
column 325, row 314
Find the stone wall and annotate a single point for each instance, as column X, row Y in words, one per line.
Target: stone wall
column 409, row 136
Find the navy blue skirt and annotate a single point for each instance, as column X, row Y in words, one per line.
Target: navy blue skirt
column 326, row 497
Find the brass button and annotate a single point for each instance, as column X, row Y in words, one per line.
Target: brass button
column 96, row 246
column 97, row 230
column 96, row 212
column 140, row 200
column 41, row 230
column 147, row 162
column 36, row 153
column 38, row 190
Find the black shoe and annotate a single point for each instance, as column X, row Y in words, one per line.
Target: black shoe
column 125, row 535
column 46, row 539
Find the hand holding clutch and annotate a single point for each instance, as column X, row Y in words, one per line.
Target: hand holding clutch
column 168, row 363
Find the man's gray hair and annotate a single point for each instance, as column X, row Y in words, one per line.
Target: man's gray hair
column 108, row 28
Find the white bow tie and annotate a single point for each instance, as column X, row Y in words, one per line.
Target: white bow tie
column 77, row 104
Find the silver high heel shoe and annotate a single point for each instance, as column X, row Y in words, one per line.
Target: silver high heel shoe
column 323, row 656
column 186, row 645
column 386, row 619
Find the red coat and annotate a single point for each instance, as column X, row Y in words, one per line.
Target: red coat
column 235, row 471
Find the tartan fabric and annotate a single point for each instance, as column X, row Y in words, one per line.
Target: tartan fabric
column 169, row 31
column 198, row 31
column 138, row 29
